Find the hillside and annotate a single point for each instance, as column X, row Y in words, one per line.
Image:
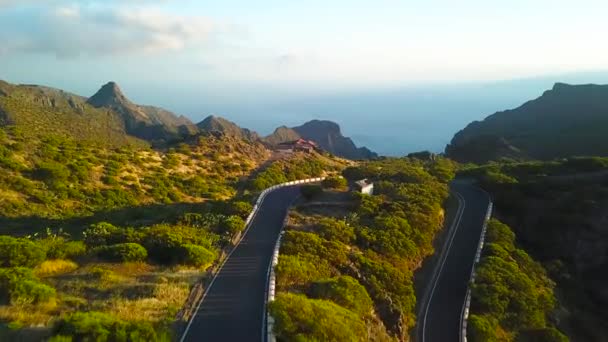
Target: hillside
column 217, row 124
column 325, row 133
column 568, row 120
column 558, row 213
column 146, row 122
column 37, row 111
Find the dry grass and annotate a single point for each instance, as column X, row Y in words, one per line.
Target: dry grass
column 28, row 314
column 166, row 301
column 55, row 267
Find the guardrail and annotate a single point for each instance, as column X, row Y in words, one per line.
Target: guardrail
column 248, row 221
column 464, row 317
column 271, row 276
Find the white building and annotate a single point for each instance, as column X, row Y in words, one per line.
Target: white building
column 365, row 187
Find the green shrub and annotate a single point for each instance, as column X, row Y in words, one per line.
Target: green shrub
column 60, row 248
column 298, row 318
column 196, row 255
column 293, row 270
column 541, row 335
column 99, row 234
column 16, row 252
column 19, row 285
column 482, row 329
column 232, row 225
column 164, row 242
column 240, row 208
column 101, row 327
column 334, row 183
column 344, row 291
column 122, row 252
column 336, row 230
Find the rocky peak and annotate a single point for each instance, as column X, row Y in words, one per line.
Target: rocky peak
column 109, row 95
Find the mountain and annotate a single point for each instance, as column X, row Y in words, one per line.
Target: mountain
column 146, row 122
column 325, row 133
column 568, row 120
column 217, row 124
column 37, row 111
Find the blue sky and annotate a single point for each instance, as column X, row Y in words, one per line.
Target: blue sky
column 199, row 57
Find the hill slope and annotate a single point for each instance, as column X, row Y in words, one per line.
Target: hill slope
column 565, row 121
column 146, row 122
column 325, row 133
column 217, row 124
column 37, row 111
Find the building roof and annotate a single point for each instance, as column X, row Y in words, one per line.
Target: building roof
column 363, row 183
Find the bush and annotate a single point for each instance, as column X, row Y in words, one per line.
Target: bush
column 16, row 252
column 293, row 270
column 196, row 255
column 97, row 326
column 122, row 252
column 310, row 191
column 165, row 243
column 482, row 329
column 232, row 225
column 59, row 248
column 19, row 285
column 99, row 234
column 298, row 318
column 336, row 230
column 240, row 208
column 542, row 335
column 334, row 183
column 344, row 291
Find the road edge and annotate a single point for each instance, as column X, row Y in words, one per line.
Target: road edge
column 464, row 315
column 428, row 294
column 248, row 221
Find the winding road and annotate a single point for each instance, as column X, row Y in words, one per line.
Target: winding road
column 233, row 308
column 442, row 304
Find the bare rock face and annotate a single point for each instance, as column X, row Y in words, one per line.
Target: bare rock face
column 326, row 134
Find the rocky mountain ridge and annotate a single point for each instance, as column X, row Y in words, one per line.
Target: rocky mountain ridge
column 326, row 134
column 568, row 120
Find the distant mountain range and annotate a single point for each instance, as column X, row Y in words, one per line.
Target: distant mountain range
column 568, row 120
column 109, row 117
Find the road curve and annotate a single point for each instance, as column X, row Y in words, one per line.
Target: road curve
column 440, row 313
column 233, row 307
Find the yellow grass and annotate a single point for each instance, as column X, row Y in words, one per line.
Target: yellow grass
column 55, row 267
column 167, row 299
column 28, row 314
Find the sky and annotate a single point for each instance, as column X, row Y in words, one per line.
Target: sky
column 263, row 62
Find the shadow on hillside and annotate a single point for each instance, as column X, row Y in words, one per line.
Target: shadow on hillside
column 135, row 216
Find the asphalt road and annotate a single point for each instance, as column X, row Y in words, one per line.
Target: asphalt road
column 441, row 309
column 233, row 308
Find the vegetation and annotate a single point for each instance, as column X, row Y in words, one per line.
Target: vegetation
column 360, row 255
column 102, row 237
column 97, row 326
column 557, row 211
column 512, row 294
column 300, row 166
column 298, row 318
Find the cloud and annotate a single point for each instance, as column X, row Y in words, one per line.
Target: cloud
column 93, row 30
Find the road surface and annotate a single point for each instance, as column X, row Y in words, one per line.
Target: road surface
column 441, row 309
column 233, row 309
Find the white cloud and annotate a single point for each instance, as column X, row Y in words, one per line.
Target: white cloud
column 75, row 30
